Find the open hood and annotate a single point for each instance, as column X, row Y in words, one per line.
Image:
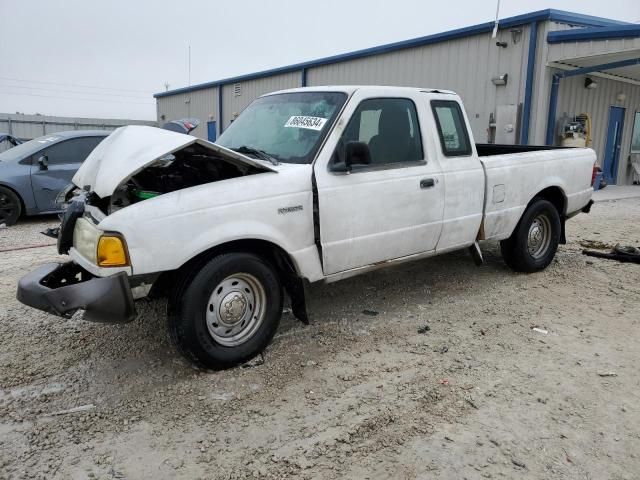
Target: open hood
column 130, row 149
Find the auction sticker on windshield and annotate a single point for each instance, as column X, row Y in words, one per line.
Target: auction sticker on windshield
column 300, row 121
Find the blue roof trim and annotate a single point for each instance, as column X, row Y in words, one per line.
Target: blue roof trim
column 587, row 34
column 583, row 20
column 548, row 14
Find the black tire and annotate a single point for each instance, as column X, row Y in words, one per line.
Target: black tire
column 10, row 207
column 515, row 250
column 190, row 312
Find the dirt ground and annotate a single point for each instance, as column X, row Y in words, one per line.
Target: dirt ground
column 427, row 370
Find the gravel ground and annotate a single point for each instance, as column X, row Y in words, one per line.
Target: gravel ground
column 427, row 370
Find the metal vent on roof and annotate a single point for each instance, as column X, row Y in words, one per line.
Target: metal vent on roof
column 237, row 89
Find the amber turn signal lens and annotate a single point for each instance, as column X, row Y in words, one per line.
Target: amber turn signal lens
column 112, row 252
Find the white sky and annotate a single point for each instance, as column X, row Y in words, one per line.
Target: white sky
column 106, row 58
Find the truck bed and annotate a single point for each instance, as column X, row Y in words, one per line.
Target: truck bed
column 514, row 174
column 488, row 149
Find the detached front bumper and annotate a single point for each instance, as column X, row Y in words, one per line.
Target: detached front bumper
column 63, row 288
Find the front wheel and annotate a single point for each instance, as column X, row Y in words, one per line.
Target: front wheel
column 10, row 207
column 534, row 242
column 228, row 313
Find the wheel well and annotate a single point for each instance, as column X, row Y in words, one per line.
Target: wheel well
column 556, row 196
column 265, row 249
column 15, row 192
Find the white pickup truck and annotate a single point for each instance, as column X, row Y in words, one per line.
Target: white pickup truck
column 307, row 185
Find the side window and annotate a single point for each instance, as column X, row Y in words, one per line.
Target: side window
column 389, row 126
column 74, row 150
column 452, row 130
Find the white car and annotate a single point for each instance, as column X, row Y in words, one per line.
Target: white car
column 307, row 185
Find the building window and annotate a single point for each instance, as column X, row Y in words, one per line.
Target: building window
column 237, row 89
column 635, row 136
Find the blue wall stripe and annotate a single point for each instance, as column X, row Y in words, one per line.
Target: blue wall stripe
column 220, row 119
column 303, row 77
column 528, row 90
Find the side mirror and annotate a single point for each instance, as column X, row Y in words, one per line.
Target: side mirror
column 43, row 161
column 356, row 153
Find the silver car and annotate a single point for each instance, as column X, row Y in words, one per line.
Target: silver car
column 32, row 174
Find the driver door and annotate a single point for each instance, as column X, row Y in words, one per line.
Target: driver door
column 388, row 209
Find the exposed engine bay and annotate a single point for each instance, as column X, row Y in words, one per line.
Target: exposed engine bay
column 189, row 167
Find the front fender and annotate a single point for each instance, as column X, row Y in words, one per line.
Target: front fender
column 167, row 242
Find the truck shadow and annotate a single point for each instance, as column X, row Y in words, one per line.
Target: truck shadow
column 139, row 356
column 403, row 285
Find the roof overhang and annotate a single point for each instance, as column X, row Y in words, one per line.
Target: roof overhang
column 594, row 33
column 610, row 58
column 601, row 59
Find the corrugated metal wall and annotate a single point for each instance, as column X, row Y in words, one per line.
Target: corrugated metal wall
column 574, row 99
column 27, row 127
column 233, row 104
column 464, row 65
column 201, row 104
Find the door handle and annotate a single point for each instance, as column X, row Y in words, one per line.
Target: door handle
column 427, row 183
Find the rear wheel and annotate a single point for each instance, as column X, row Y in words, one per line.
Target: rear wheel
column 535, row 239
column 10, row 207
column 228, row 312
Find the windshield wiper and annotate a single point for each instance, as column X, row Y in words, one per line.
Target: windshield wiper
column 261, row 154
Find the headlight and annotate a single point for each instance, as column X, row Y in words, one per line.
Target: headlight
column 85, row 239
column 103, row 249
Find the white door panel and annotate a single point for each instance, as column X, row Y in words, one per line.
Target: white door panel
column 381, row 212
column 463, row 175
column 371, row 217
column 464, row 201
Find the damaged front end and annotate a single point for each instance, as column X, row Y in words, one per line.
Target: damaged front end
column 137, row 163
column 189, row 167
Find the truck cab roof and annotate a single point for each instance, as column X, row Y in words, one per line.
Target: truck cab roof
column 350, row 89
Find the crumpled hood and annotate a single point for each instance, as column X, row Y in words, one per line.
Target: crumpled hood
column 132, row 148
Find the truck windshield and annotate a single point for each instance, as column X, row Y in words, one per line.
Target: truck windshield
column 288, row 127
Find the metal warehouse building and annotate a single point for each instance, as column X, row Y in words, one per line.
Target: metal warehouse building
column 547, row 78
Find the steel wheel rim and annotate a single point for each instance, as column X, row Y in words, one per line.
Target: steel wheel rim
column 236, row 309
column 7, row 207
column 539, row 237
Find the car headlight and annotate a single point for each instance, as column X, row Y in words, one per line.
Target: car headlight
column 103, row 249
column 63, row 196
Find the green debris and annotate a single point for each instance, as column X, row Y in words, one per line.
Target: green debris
column 144, row 194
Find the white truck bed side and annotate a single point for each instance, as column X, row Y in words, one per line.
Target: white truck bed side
column 512, row 180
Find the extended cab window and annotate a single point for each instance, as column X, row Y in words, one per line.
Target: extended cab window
column 389, row 126
column 454, row 137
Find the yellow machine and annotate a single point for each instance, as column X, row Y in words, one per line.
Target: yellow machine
column 577, row 133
